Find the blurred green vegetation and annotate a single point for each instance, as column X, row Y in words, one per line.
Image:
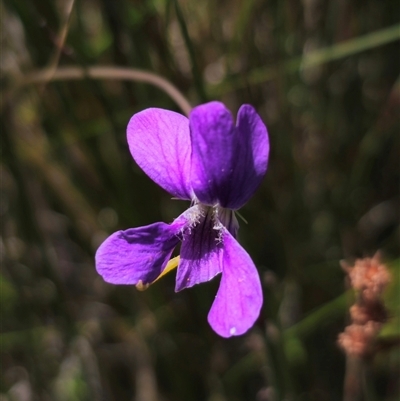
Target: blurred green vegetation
column 324, row 76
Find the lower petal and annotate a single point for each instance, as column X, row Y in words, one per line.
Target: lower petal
column 137, row 255
column 239, row 298
column 201, row 251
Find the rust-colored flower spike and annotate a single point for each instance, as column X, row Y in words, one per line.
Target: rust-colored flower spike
column 358, row 339
column 369, row 277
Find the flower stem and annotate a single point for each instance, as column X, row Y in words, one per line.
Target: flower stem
column 106, row 72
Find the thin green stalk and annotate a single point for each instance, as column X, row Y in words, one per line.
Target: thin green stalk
column 101, row 72
column 318, row 57
column 197, row 77
column 315, row 319
column 277, row 374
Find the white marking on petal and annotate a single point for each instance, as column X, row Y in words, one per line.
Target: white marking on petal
column 218, row 226
column 194, row 214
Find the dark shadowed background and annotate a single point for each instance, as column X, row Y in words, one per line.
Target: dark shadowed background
column 324, row 76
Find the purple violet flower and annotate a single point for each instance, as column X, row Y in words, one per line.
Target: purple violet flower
column 217, row 165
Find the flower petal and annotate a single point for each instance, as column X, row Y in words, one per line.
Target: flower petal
column 228, row 162
column 228, row 219
column 159, row 141
column 213, row 144
column 201, row 250
column 251, row 158
column 239, row 298
column 137, row 255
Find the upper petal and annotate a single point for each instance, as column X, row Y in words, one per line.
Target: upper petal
column 159, row 141
column 252, row 151
column 228, row 162
column 137, row 255
column 213, row 144
column 239, row 298
column 201, row 250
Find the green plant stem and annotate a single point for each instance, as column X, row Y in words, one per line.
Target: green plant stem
column 104, row 72
column 315, row 319
column 197, row 77
column 318, row 57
